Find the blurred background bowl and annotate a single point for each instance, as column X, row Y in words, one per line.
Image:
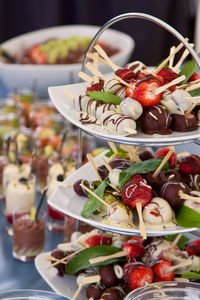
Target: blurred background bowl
column 42, row 76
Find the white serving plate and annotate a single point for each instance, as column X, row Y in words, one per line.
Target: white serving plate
column 23, row 76
column 67, row 201
column 65, row 286
column 64, row 105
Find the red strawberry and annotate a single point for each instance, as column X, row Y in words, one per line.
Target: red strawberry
column 168, row 75
column 136, row 191
column 134, row 249
column 138, row 239
column 136, row 275
column 144, row 91
column 190, row 165
column 193, row 77
column 161, row 270
column 95, row 87
column 37, row 56
column 98, row 239
column 173, row 158
column 126, row 74
column 193, row 248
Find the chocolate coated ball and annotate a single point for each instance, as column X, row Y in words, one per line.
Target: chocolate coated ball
column 94, row 291
column 108, row 276
column 111, row 294
column 157, row 182
column 183, row 123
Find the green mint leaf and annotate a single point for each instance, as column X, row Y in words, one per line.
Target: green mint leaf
column 105, row 97
column 188, row 217
column 195, row 93
column 191, row 275
column 93, row 204
column 81, row 261
column 181, row 243
column 189, row 68
column 141, row 168
column 111, row 152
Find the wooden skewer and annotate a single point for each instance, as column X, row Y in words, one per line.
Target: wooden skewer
column 96, row 60
column 188, row 197
column 174, row 257
column 185, row 263
column 175, row 242
column 101, row 60
column 105, row 56
column 132, row 152
column 94, row 165
column 165, row 159
column 193, row 87
column 86, row 280
column 166, row 86
column 65, row 258
column 123, row 82
column 70, row 94
column 77, row 292
column 65, row 246
column 107, row 257
column 94, row 71
column 195, row 193
column 191, row 108
column 181, row 60
column 141, row 221
column 94, row 195
column 182, row 154
column 171, row 61
column 187, row 84
column 130, row 130
column 107, row 165
column 194, row 99
column 85, row 77
column 177, row 49
column 113, row 147
column 95, row 79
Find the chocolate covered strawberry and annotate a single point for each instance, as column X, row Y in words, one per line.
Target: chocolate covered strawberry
column 136, row 275
column 193, row 77
column 168, row 75
column 193, row 248
column 126, row 74
column 173, row 158
column 96, row 87
column 98, row 239
column 190, row 165
column 161, row 270
column 134, row 249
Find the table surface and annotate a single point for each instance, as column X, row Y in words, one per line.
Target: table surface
column 15, row 274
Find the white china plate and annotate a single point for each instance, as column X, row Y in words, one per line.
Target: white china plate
column 67, row 201
column 65, row 286
column 64, row 105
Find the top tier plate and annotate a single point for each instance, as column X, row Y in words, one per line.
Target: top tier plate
column 64, row 104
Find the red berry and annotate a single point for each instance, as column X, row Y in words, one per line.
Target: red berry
column 95, row 87
column 193, row 77
column 161, row 270
column 193, row 248
column 168, row 75
column 173, row 158
column 98, row 239
column 136, row 190
column 136, row 275
column 190, row 165
column 126, row 74
column 144, row 91
column 134, row 249
column 138, row 239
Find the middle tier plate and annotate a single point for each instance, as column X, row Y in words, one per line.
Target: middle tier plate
column 64, row 105
column 67, row 201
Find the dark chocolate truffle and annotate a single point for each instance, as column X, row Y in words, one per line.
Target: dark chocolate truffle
column 111, row 294
column 173, row 174
column 183, row 123
column 119, row 163
column 94, row 291
column 169, row 192
column 79, row 190
column 145, row 154
column 157, row 182
column 108, row 276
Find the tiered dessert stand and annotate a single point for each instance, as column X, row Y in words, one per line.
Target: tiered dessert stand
column 58, row 97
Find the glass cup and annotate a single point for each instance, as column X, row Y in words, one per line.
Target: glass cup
column 19, row 197
column 71, row 225
column 28, row 237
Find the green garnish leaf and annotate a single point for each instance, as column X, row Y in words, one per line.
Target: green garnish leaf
column 181, row 243
column 188, row 217
column 195, row 93
column 191, row 275
column 189, row 68
column 141, row 168
column 81, row 261
column 111, row 152
column 105, row 97
column 93, row 204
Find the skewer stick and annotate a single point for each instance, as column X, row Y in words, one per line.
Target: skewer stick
column 185, row 263
column 193, row 87
column 64, row 259
column 94, row 195
column 197, row 193
column 171, row 61
column 107, row 257
column 130, row 130
column 177, row 49
column 166, row 86
column 94, row 165
column 84, row 281
column 70, row 94
column 141, row 221
column 174, row 257
column 95, row 79
column 107, row 165
column 96, row 60
column 191, row 108
column 175, row 242
column 187, row 84
column 77, row 292
column 183, row 154
column 181, row 60
column 165, row 159
column 188, row 197
column 105, row 56
column 132, row 152
column 101, row 60
column 123, row 82
column 94, row 71
column 113, row 147
column 85, row 77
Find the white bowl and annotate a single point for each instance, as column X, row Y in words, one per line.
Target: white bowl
column 23, row 76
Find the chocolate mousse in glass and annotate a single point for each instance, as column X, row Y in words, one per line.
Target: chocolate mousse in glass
column 19, row 198
column 28, row 237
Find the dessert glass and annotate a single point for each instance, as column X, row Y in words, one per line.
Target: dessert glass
column 28, row 237
column 19, row 198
